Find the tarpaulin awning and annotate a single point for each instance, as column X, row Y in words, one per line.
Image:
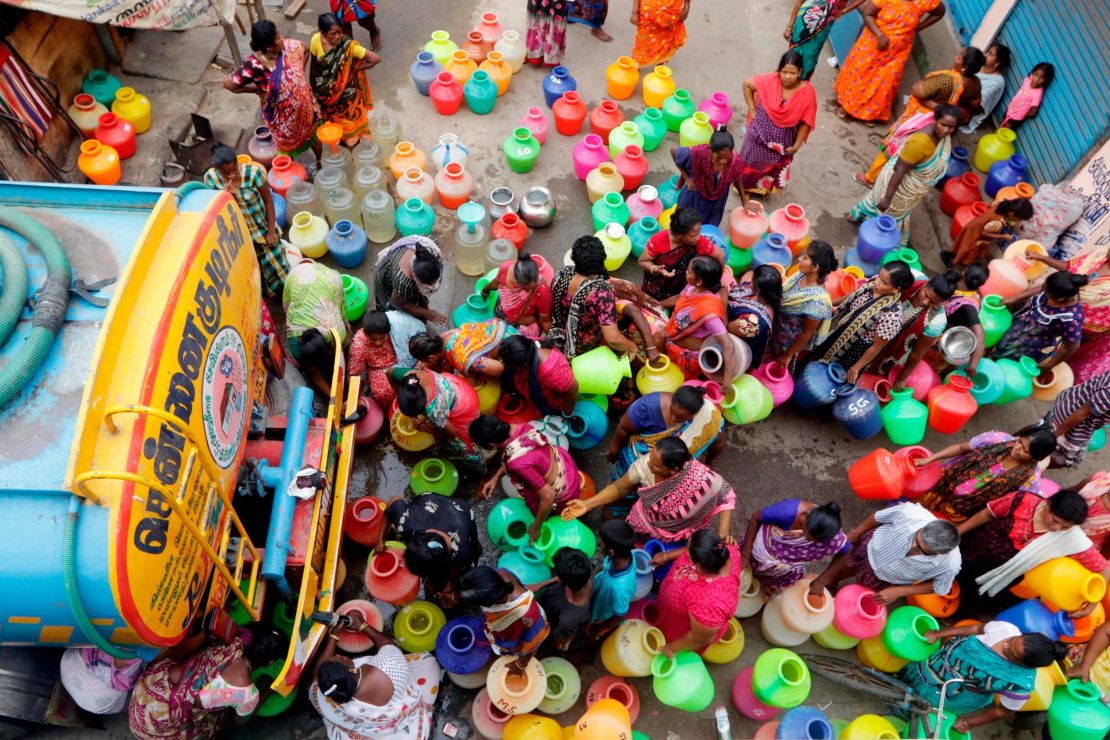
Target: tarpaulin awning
column 163, row 15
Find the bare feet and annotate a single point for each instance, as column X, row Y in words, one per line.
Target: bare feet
column 862, row 179
column 601, row 35
column 376, row 41
column 841, row 113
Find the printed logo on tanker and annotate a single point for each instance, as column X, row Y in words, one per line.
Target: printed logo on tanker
column 203, row 381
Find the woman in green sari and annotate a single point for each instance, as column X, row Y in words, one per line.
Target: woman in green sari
column 338, row 78
column 905, row 179
column 982, row 661
column 809, row 26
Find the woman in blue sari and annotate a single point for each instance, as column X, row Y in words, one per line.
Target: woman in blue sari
column 684, row 413
column 989, row 659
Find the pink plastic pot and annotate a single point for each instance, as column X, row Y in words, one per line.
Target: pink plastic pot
column 857, row 614
column 746, row 703
column 645, row 609
column 358, row 642
column 713, row 391
column 926, row 477
column 923, row 378
column 618, row 689
column 777, row 380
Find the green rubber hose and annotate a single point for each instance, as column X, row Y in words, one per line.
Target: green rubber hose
column 14, row 270
column 73, row 596
column 50, row 308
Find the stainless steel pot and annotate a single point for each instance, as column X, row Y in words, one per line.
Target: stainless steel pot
column 957, row 344
column 537, row 208
column 502, row 201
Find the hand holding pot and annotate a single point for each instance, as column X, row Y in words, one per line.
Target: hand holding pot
column 485, row 489
column 885, row 597
column 534, row 532
column 932, row 636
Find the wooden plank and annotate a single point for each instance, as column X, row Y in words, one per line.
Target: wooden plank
column 294, row 8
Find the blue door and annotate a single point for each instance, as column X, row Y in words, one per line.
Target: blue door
column 1074, row 35
column 966, row 16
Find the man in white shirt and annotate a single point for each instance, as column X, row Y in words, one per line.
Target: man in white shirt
column 899, row 551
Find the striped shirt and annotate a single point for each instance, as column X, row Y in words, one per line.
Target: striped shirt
column 898, row 525
column 248, row 196
column 1096, row 392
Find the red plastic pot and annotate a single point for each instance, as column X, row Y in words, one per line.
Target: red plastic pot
column 364, row 519
column 614, row 687
column 359, row 642
column 951, row 405
column 116, row 133
column 515, row 410
column 387, row 578
column 959, row 191
column 569, row 112
column 604, row 118
column 510, row 227
column 446, row 94
column 964, row 214
column 877, row 384
column 632, row 165
column 880, row 475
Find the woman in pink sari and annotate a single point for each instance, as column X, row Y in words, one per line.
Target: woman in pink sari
column 675, row 495
column 523, row 295
column 543, row 473
column 699, row 313
column 782, row 110
column 275, row 72
column 541, row 375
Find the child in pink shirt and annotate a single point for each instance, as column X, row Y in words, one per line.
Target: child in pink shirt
column 1028, row 99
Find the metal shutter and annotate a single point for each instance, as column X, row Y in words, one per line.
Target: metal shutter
column 1074, row 35
column 966, row 16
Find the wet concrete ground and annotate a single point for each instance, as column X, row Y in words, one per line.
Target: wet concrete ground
column 790, row 454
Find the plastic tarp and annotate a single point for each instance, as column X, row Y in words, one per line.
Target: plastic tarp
column 164, row 15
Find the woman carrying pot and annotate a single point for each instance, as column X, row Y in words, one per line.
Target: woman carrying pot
column 542, row 375
column 514, row 621
column 783, row 538
column 443, row 406
column 406, row 275
column 698, row 314
column 923, row 321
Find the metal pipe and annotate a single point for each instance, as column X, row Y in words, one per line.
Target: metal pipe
column 281, row 516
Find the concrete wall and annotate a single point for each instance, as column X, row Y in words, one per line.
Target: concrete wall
column 62, row 50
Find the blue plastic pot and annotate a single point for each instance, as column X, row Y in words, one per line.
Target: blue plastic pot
column 815, row 385
column 462, row 647
column 1032, row 616
column 858, row 411
column 588, row 426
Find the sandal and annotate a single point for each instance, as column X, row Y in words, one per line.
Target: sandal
column 862, row 180
column 841, row 113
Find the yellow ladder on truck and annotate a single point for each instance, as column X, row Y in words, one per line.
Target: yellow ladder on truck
column 214, row 541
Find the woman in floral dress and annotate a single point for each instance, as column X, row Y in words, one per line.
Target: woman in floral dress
column 546, row 39
column 782, row 110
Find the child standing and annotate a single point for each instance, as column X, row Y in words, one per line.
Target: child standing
column 372, row 355
column 566, row 598
column 1028, row 99
column 615, row 585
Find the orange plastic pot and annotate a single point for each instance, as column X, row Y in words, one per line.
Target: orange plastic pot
column 940, row 607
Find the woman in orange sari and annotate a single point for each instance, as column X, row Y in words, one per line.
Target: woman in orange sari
column 698, row 313
column 660, row 31
column 339, row 80
column 870, row 76
column 956, row 86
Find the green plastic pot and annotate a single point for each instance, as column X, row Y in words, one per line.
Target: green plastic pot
column 907, row 255
column 556, row 534
column 1019, row 379
column 526, row 564
column 1077, row 712
column 995, row 319
column 508, row 523
column 740, row 260
column 355, row 296
column 283, row 617
column 780, row 678
column 917, row 728
column 747, row 402
column 564, row 685
column 683, row 682
column 434, row 475
column 904, row 418
column 275, row 703
column 834, row 639
column 1098, row 441
column 904, row 634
